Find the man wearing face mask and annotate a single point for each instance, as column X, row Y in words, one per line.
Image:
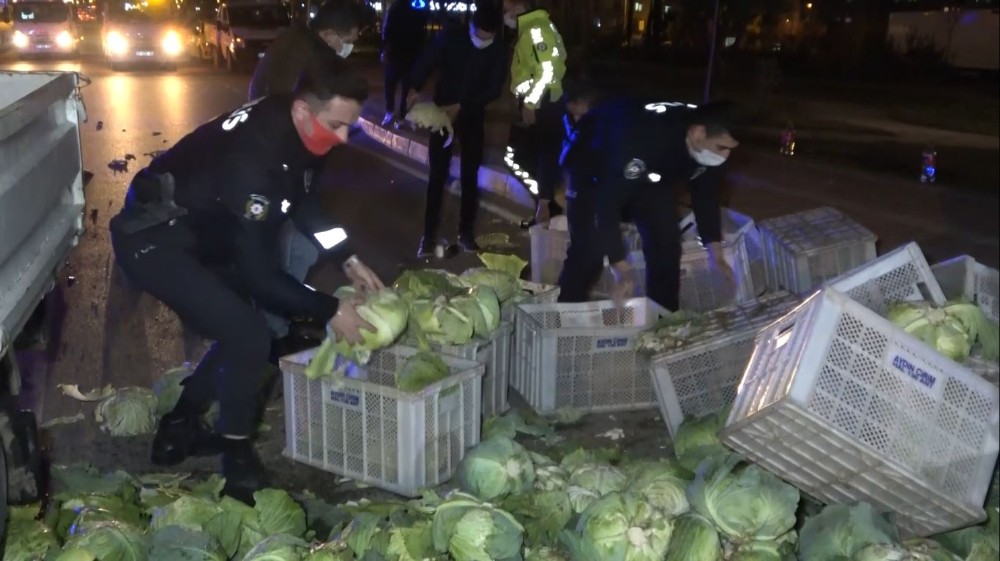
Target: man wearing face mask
column 536, row 75
column 199, row 231
column 335, row 26
column 470, row 68
column 626, row 157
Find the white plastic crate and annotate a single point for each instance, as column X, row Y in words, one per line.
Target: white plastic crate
column 549, row 246
column 806, row 249
column 901, row 275
column 702, row 376
column 743, row 249
column 495, row 355
column 847, row 407
column 963, row 277
column 368, row 430
column 583, row 356
column 537, row 294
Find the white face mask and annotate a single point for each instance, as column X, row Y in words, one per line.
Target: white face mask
column 345, row 49
column 510, row 21
column 477, row 42
column 707, row 158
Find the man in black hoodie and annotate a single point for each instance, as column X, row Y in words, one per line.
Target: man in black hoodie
column 471, row 68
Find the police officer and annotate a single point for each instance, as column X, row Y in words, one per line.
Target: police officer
column 626, row 157
column 199, row 232
column 536, row 75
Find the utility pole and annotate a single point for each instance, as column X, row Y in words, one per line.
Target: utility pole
column 711, row 53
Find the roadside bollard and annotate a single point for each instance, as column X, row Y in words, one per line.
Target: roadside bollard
column 928, row 168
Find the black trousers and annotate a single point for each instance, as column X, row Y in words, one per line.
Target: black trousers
column 537, row 148
column 652, row 210
column 469, row 130
column 397, row 73
column 161, row 261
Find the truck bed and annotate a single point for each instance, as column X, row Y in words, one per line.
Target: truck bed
column 41, row 189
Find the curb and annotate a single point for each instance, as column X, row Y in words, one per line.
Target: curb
column 491, row 180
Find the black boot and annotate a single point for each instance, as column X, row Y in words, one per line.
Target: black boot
column 183, row 433
column 468, row 242
column 242, row 469
column 427, row 247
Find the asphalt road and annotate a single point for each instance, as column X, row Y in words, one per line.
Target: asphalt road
column 106, row 333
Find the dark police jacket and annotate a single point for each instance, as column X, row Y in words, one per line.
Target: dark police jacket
column 620, row 147
column 236, row 179
column 295, row 48
column 470, row 76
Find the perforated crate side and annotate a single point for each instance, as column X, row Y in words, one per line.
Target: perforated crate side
column 900, row 275
column 495, row 355
column 848, row 407
column 548, row 250
column 702, row 377
column 534, row 293
column 366, row 429
column 806, row 249
column 964, row 277
column 583, row 356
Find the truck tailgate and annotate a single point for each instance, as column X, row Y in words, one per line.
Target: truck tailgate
column 41, row 187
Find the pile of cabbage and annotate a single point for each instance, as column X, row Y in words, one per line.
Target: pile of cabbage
column 957, row 330
column 674, row 331
column 524, row 494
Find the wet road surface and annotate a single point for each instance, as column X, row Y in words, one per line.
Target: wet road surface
column 107, row 333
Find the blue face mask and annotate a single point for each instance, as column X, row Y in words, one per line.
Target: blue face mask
column 476, row 41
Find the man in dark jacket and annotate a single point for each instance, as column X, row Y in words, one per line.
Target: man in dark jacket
column 199, row 232
column 626, row 157
column 403, row 36
column 471, row 74
column 335, row 27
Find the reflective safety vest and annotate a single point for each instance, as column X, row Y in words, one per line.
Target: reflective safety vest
column 539, row 59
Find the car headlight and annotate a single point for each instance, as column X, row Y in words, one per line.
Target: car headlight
column 20, row 40
column 171, row 43
column 64, row 40
column 116, row 43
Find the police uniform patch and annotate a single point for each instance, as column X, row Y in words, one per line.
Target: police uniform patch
column 256, row 208
column 634, row 168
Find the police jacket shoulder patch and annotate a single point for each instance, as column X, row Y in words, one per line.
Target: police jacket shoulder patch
column 256, row 208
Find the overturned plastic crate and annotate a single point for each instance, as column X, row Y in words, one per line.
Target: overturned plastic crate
column 493, row 353
column 702, row 376
column 366, row 429
column 963, row 277
column 847, row 407
column 549, row 247
column 902, row 275
column 806, row 249
column 583, row 356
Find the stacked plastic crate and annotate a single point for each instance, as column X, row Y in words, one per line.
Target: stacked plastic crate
column 365, row 428
column 583, row 356
column 848, row 407
column 806, row 249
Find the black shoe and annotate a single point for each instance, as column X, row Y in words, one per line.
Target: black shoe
column 427, row 247
column 468, row 243
column 242, row 469
column 181, row 435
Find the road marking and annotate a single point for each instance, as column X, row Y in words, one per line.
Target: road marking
column 422, row 174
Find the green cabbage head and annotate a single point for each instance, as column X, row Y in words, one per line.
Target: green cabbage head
column 842, row 531
column 496, row 468
column 694, row 539
column 471, row 530
column 619, row 526
column 129, row 412
column 742, row 500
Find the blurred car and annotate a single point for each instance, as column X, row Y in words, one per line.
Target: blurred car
column 44, row 28
column 147, row 37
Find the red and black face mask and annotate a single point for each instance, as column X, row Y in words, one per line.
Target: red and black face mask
column 321, row 140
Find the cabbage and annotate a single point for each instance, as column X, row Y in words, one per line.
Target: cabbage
column 173, row 543
column 697, row 439
column 430, row 116
column 742, row 500
column 168, row 389
column 694, row 539
column 544, row 554
column 763, row 551
column 622, row 527
column 921, row 549
column 544, row 515
column 129, row 412
column 279, row 547
column 439, row 322
column 842, row 531
column 110, row 541
column 481, row 306
column 983, row 552
column 661, row 485
column 880, row 552
column 422, row 284
column 421, row 370
column 504, row 284
column 29, row 540
column 496, row 468
column 589, row 482
column 385, row 310
column 509, row 264
column 951, row 330
column 474, row 531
